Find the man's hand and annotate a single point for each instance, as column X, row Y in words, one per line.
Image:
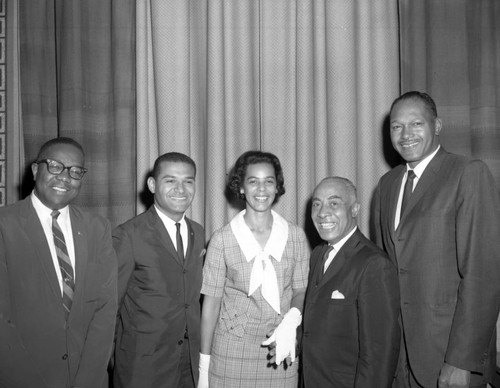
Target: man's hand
column 453, row 377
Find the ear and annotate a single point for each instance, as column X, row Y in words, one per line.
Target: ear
column 355, row 209
column 151, row 184
column 438, row 125
column 34, row 170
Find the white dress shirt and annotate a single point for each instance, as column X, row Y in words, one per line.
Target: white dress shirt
column 172, row 229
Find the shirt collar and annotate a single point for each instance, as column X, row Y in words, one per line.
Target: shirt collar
column 339, row 245
column 275, row 244
column 419, row 168
column 45, row 212
column 167, row 220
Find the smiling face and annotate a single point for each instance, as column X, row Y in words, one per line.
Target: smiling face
column 57, row 191
column 334, row 210
column 414, row 131
column 259, row 187
column 173, row 188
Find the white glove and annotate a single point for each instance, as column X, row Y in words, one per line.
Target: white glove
column 203, row 369
column 285, row 335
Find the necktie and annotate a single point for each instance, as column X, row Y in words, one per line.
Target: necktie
column 407, row 190
column 180, row 245
column 64, row 264
column 323, row 261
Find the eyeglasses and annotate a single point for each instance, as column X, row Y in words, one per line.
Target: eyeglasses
column 57, row 168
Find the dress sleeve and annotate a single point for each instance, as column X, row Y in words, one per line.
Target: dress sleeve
column 214, row 270
column 301, row 271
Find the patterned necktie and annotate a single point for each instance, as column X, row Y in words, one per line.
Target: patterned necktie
column 407, row 190
column 64, row 264
column 180, row 245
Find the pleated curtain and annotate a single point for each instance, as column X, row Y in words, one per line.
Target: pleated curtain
column 310, row 81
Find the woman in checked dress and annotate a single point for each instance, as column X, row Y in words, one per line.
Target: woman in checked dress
column 254, row 282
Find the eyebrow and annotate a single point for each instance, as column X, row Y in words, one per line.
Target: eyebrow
column 256, row 177
column 330, row 197
column 177, row 177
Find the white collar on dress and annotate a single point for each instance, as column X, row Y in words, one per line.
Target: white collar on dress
column 263, row 272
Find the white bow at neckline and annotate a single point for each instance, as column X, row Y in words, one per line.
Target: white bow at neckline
column 263, row 273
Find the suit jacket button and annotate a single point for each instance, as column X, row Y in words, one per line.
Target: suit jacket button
column 186, row 306
column 65, row 356
column 180, row 342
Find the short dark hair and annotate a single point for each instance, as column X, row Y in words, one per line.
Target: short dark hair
column 174, row 157
column 58, row 141
column 237, row 174
column 421, row 96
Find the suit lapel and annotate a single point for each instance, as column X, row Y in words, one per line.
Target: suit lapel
column 80, row 241
column 190, row 246
column 334, row 267
column 316, row 274
column 393, row 200
column 341, row 258
column 36, row 235
column 427, row 179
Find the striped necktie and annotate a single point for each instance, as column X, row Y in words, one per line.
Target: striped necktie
column 64, row 264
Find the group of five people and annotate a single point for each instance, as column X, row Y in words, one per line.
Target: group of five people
column 417, row 308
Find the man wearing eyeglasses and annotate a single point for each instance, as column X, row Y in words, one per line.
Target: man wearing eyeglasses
column 58, row 274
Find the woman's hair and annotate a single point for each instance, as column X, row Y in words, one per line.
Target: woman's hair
column 238, row 172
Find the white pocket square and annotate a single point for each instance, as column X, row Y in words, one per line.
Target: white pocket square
column 337, row 295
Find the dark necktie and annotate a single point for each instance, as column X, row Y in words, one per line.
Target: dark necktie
column 64, row 264
column 407, row 190
column 180, row 245
column 323, row 261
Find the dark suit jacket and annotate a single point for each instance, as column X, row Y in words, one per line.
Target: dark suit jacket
column 447, row 248
column 351, row 342
column 160, row 298
column 38, row 348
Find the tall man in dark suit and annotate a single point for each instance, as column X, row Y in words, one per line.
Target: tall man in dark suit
column 160, row 256
column 446, row 244
column 351, row 333
column 57, row 281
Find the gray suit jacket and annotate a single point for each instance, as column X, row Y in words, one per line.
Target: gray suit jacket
column 353, row 341
column 159, row 298
column 447, row 249
column 38, row 348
